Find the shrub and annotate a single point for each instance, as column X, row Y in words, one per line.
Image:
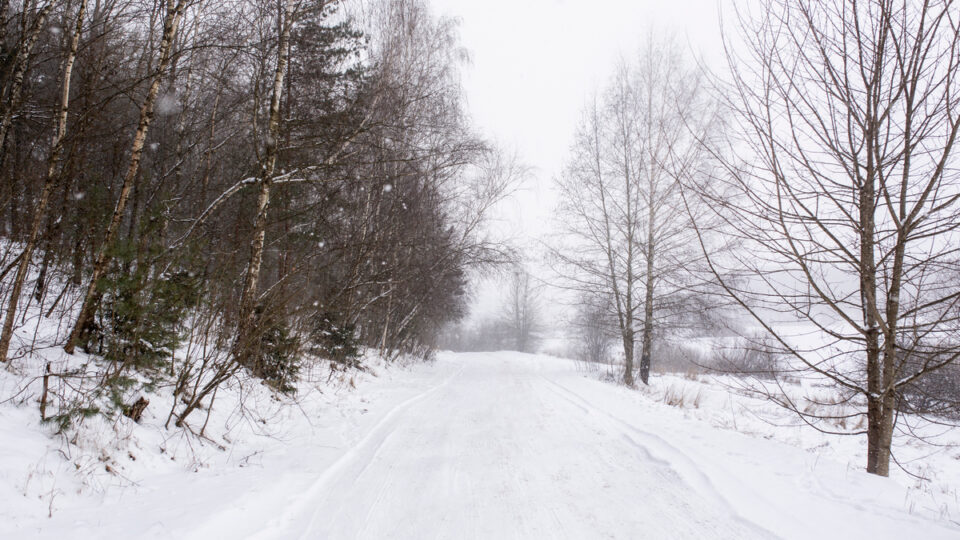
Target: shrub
column 936, row 393
column 754, row 357
column 335, row 340
column 141, row 317
column 279, row 361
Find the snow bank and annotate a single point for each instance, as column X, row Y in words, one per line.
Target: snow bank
column 703, row 412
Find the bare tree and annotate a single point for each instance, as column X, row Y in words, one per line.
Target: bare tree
column 268, row 163
column 11, row 92
column 846, row 195
column 53, row 170
column 603, row 204
column 522, row 309
column 591, row 327
column 171, row 21
column 626, row 232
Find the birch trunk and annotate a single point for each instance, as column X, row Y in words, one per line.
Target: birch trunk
column 647, row 339
column 50, row 182
column 170, row 24
column 21, row 62
column 248, row 298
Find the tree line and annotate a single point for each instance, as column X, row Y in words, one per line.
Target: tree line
column 193, row 189
column 519, row 323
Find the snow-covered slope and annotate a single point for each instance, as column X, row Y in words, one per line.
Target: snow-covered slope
column 499, row 445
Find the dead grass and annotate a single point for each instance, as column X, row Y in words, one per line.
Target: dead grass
column 676, row 396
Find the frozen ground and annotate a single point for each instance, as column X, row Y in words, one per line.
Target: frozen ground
column 499, row 445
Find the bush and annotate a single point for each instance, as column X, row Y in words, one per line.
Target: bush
column 673, row 358
column 139, row 323
column 141, row 317
column 335, row 340
column 754, row 357
column 936, row 393
column 278, row 361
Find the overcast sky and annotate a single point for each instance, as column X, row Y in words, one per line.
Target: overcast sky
column 535, row 62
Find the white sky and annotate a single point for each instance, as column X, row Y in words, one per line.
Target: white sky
column 533, row 65
column 535, row 62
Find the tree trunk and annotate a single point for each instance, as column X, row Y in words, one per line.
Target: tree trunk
column 170, row 24
column 21, row 62
column 248, row 298
column 647, row 339
column 386, row 318
column 878, row 453
column 880, row 416
column 889, row 367
column 52, row 173
column 628, row 342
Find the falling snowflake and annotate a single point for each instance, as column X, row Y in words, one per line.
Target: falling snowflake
column 167, row 104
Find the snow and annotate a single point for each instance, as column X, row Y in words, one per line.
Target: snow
column 168, row 104
column 491, row 445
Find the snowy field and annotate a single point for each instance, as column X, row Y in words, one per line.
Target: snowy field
column 498, row 445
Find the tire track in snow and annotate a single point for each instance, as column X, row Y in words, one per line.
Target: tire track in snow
column 659, row 451
column 387, row 480
column 362, row 453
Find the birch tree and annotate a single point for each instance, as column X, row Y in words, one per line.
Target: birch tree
column 53, row 170
column 522, row 313
column 241, row 183
column 173, row 13
column 626, row 234
column 33, row 20
column 268, row 162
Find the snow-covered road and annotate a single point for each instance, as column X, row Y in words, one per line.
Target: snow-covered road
column 501, row 450
column 488, row 446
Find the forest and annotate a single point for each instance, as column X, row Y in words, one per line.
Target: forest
column 192, row 189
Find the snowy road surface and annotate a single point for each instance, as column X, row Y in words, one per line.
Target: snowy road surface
column 500, row 446
column 499, row 450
